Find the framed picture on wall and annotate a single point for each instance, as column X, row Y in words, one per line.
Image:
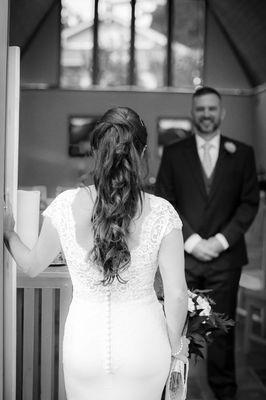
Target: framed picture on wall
column 171, row 130
column 79, row 130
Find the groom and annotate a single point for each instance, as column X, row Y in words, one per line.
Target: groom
column 211, row 181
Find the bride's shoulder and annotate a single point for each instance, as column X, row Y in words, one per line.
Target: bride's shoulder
column 67, row 194
column 160, row 202
column 166, row 210
column 66, row 197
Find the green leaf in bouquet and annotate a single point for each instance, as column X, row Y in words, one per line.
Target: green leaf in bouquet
column 196, row 350
column 223, row 322
column 196, row 324
column 197, row 337
column 212, row 321
column 202, row 291
column 203, row 329
column 211, row 301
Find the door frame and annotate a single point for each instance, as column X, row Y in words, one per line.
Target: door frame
column 4, row 25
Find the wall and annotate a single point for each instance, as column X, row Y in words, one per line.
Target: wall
column 222, row 68
column 260, row 117
column 44, row 127
column 40, row 60
column 44, row 113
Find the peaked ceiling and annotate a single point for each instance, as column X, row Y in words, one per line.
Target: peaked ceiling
column 243, row 22
column 26, row 18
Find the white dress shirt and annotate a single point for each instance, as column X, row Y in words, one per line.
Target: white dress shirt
column 194, row 239
column 214, row 149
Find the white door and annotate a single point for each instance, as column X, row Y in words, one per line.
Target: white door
column 3, row 75
column 10, row 188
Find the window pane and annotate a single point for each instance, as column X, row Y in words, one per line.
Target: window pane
column 188, row 42
column 114, row 41
column 150, row 43
column 77, row 43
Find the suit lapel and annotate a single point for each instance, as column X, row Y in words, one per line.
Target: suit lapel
column 194, row 164
column 220, row 165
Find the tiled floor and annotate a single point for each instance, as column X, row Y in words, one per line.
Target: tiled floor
column 251, row 373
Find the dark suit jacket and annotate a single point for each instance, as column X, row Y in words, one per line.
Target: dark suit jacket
column 231, row 204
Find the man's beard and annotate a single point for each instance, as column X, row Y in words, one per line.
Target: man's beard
column 215, row 125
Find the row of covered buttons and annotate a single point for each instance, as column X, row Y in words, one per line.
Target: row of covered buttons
column 108, row 336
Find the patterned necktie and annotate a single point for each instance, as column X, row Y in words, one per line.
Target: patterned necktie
column 206, row 160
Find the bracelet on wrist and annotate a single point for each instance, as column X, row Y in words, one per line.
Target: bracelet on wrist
column 176, row 354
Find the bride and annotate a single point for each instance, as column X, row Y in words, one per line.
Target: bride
column 119, row 343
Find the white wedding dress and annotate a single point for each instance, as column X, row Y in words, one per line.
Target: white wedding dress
column 115, row 344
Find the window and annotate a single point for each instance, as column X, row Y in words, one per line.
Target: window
column 187, row 43
column 144, row 43
column 150, row 43
column 113, row 42
column 77, row 19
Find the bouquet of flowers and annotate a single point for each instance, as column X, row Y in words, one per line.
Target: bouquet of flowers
column 201, row 323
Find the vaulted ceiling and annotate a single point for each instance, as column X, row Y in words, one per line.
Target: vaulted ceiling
column 26, row 18
column 243, row 22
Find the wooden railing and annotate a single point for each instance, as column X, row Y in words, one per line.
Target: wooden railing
column 42, row 306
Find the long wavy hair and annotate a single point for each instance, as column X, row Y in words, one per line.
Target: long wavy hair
column 118, row 143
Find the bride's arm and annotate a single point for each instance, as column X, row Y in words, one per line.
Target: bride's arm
column 34, row 261
column 171, row 264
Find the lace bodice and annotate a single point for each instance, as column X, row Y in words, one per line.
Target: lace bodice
column 71, row 218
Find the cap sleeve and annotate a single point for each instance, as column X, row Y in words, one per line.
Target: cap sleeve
column 173, row 220
column 55, row 210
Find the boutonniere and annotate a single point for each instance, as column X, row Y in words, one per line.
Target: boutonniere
column 230, row 147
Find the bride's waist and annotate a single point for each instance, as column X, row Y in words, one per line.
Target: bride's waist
column 114, row 297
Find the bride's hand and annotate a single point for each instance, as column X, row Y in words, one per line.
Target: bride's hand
column 8, row 220
column 177, row 381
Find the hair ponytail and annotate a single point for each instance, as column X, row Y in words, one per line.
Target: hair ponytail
column 118, row 141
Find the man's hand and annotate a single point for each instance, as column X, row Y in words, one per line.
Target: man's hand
column 215, row 245
column 204, row 250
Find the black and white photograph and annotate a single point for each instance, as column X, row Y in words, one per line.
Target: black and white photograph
column 133, row 198
column 80, row 131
